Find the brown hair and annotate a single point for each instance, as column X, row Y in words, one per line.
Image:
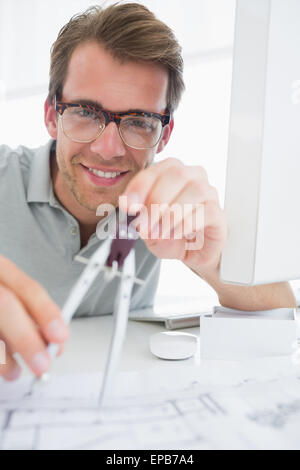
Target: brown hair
column 129, row 31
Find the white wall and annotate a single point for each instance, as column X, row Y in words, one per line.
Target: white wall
column 29, row 27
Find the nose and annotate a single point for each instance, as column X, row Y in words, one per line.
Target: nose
column 109, row 144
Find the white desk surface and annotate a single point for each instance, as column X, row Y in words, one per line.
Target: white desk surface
column 87, row 348
column 188, row 404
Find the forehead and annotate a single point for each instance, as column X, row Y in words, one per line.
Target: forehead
column 95, row 75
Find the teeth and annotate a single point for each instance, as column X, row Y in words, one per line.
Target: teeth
column 107, row 175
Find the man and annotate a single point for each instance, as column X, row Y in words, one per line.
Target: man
column 115, row 82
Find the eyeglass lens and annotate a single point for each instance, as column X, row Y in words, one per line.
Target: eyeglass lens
column 84, row 125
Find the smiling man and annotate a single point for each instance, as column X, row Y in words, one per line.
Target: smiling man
column 92, row 165
column 115, row 82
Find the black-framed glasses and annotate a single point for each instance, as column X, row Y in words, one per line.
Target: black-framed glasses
column 85, row 123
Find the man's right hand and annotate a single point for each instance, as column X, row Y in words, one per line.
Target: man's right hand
column 29, row 320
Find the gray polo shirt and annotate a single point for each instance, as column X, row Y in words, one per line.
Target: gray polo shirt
column 43, row 238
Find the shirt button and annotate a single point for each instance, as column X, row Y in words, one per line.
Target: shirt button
column 74, row 230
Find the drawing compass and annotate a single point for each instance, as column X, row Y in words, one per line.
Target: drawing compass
column 117, row 259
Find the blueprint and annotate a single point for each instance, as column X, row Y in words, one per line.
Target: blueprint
column 236, row 406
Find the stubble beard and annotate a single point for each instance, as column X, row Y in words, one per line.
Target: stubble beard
column 72, row 183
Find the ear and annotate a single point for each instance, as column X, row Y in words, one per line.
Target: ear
column 50, row 118
column 166, row 136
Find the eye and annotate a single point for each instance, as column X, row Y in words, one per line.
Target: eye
column 86, row 113
column 142, row 123
column 138, row 124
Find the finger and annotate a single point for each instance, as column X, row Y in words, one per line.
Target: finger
column 192, row 228
column 215, row 233
column 167, row 249
column 61, row 350
column 195, row 193
column 194, row 222
column 35, row 300
column 9, row 370
column 173, row 191
column 182, row 220
column 215, row 225
column 139, row 187
column 20, row 333
column 183, row 206
column 171, row 223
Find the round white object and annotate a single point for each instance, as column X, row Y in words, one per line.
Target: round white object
column 173, row 345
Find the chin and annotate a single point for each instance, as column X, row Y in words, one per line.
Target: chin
column 93, row 204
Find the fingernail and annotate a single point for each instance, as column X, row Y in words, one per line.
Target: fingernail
column 57, row 329
column 40, row 362
column 13, row 374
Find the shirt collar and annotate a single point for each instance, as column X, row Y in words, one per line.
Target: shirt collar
column 40, row 187
column 40, row 183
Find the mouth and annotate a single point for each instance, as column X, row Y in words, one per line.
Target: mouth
column 101, row 177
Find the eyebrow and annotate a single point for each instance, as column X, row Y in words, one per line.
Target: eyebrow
column 97, row 104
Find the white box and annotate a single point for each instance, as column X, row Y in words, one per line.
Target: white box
column 234, row 334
